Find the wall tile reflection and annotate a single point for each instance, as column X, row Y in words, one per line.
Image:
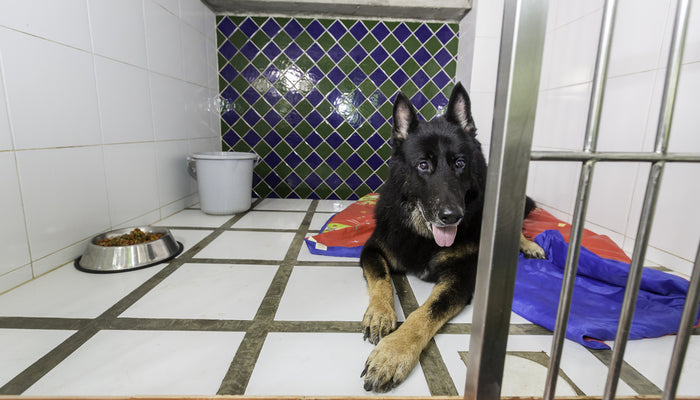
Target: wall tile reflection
column 313, row 97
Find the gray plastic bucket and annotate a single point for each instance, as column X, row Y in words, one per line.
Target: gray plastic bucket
column 224, row 180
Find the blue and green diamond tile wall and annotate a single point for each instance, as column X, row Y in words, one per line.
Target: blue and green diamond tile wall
column 313, row 97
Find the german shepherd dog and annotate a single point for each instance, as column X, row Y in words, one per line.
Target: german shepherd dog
column 428, row 223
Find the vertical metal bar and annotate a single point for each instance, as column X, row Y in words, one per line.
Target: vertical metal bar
column 584, row 188
column 675, row 58
column 690, row 311
column 520, row 61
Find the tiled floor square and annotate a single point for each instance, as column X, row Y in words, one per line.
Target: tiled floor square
column 333, row 206
column 248, row 245
column 325, row 294
column 69, row 293
column 125, row 363
column 652, row 357
column 207, row 291
column 270, row 220
column 318, row 220
column 319, row 364
column 22, row 347
column 188, row 237
column 194, row 218
column 283, row 205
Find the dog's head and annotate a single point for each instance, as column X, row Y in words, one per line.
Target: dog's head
column 440, row 165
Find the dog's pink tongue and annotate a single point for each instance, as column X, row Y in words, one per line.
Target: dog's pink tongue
column 445, row 236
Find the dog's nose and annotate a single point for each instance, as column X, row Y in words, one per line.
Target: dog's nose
column 450, row 216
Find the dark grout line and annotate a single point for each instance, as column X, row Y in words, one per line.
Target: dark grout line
column 238, row 261
column 344, row 264
column 170, row 324
column 43, row 323
column 198, row 228
column 241, row 368
column 436, row 374
column 316, row 327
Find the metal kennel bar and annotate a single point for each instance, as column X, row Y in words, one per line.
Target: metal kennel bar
column 590, row 143
column 520, row 62
column 516, row 95
column 663, row 132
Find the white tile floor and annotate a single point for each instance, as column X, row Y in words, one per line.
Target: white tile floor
column 254, row 303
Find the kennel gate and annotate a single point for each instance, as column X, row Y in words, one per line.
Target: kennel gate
column 520, row 61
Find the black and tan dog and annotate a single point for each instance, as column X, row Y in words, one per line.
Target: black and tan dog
column 428, row 224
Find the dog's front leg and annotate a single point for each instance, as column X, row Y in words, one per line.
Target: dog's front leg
column 380, row 318
column 397, row 354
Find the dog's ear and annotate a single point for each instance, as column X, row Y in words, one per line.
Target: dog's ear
column 459, row 109
column 405, row 118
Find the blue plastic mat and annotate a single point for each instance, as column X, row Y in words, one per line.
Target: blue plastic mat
column 597, row 297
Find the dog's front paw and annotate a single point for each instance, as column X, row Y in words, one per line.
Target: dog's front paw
column 389, row 364
column 379, row 321
column 532, row 250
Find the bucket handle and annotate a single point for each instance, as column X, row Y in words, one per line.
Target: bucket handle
column 192, row 167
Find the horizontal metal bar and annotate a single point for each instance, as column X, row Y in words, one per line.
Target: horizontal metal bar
column 613, row 156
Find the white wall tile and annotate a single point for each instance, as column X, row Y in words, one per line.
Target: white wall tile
column 637, row 36
column 173, row 6
column 555, row 185
column 124, row 102
column 173, row 179
column 485, row 69
column 482, row 112
column 15, row 278
column 574, row 48
column 213, row 67
column 197, row 111
column 59, row 258
column 5, row 135
column 63, row 21
column 611, row 195
column 677, row 217
column 567, row 11
column 195, row 14
column 118, row 30
column 132, row 182
column 684, row 128
column 624, row 131
column 50, row 92
column 692, row 40
column 489, row 18
column 163, row 40
column 64, row 195
column 168, row 100
column 194, row 52
column 13, row 234
column 560, row 122
column 207, row 144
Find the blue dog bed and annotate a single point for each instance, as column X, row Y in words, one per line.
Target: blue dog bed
column 598, row 294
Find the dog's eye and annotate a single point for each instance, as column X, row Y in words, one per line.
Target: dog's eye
column 460, row 164
column 423, row 165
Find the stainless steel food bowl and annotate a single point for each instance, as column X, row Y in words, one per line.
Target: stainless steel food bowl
column 98, row 258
